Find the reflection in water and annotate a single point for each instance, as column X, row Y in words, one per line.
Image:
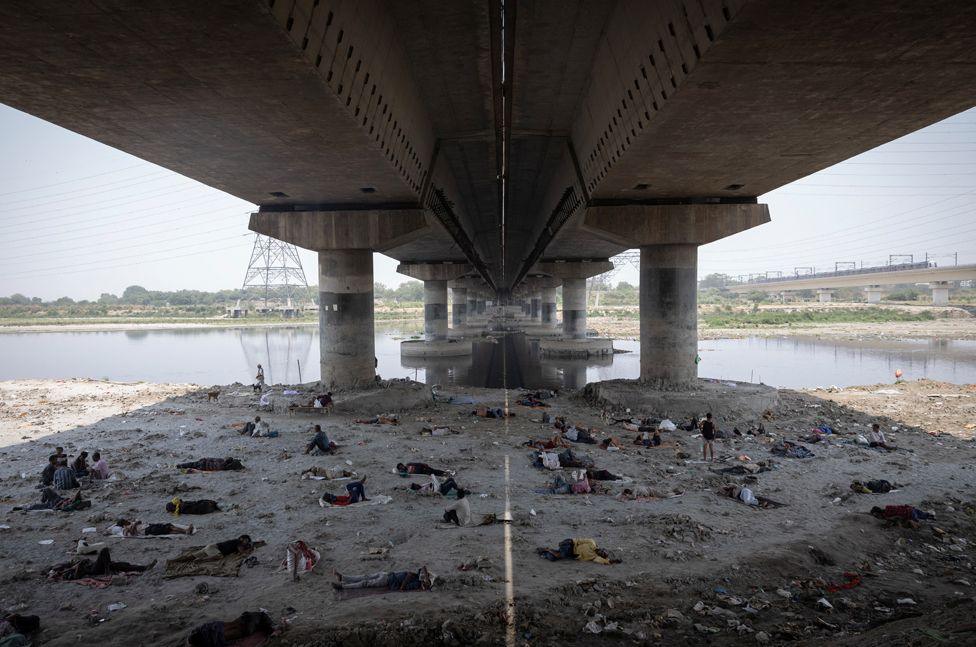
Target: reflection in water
column 226, row 355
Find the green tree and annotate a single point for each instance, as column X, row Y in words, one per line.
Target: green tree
column 136, row 295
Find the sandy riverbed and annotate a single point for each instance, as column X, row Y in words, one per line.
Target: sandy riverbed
column 676, row 551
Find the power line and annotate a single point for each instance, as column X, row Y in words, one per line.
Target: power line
column 87, row 177
column 75, row 193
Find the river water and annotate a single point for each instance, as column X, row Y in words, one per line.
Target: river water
column 222, row 356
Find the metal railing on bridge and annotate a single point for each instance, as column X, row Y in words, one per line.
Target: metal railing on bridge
column 797, row 276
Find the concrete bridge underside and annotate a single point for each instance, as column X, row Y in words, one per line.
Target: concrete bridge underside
column 497, row 136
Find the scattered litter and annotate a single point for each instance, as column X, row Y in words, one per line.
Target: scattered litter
column 906, row 602
column 116, row 606
column 46, row 542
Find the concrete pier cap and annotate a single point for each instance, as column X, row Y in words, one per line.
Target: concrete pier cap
column 345, row 241
column 668, row 236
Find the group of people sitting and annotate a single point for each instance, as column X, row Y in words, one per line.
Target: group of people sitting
column 62, row 476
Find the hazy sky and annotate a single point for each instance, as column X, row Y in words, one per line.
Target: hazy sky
column 80, row 218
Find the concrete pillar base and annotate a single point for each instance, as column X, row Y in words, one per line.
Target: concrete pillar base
column 571, row 348
column 681, row 402
column 346, row 356
column 438, row 348
column 825, row 295
column 668, row 314
column 940, row 293
column 873, row 294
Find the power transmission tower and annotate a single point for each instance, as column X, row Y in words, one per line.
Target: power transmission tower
column 275, row 273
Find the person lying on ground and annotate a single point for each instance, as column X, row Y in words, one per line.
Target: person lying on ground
column 569, row 458
column 218, row 632
column 212, row 465
column 47, row 474
column 212, row 552
column 422, row 580
column 438, row 431
column 103, row 565
column 692, row 425
column 640, row 493
column 552, row 443
column 602, row 475
column 356, row 493
column 203, row 506
column 579, row 434
column 611, row 444
column 320, row 443
column 492, row 412
column 99, row 469
column 876, row 438
column 64, row 478
column 584, row 550
column 905, row 514
column 379, row 420
column 879, row 486
column 579, row 484
column 328, row 473
column 420, row 468
column 529, row 401
column 125, row 528
column 15, row 629
column 80, row 465
column 435, row 487
column 51, row 500
column 648, row 438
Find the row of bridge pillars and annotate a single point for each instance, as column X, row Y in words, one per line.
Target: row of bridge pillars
column 874, row 293
column 667, row 235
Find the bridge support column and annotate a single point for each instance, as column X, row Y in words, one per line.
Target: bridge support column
column 346, row 341
column 574, row 308
column 668, row 236
column 345, row 242
column 459, row 307
column 435, row 277
column 825, row 295
column 940, row 293
column 549, row 307
column 668, row 313
column 873, row 293
column 535, row 309
column 482, row 305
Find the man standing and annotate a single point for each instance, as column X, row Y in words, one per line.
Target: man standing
column 259, row 383
column 708, row 437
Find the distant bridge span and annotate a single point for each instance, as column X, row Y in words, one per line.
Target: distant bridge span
column 870, row 278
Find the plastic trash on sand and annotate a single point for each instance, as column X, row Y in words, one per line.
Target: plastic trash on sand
column 46, row 542
column 667, row 425
column 116, row 606
column 748, row 497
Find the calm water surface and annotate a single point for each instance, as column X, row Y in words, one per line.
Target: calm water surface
column 221, row 356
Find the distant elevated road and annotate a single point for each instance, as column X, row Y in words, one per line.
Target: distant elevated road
column 888, row 275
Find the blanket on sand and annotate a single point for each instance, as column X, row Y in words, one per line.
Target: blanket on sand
column 227, row 566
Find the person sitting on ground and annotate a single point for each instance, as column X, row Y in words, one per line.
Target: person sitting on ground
column 708, row 437
column 64, row 478
column 125, row 528
column 876, row 438
column 356, row 493
column 99, row 469
column 211, row 552
column 103, row 565
column 62, row 458
column 219, row 632
column 15, row 629
column 435, row 487
column 459, row 512
column 47, row 474
column 51, row 500
column 212, row 465
column 904, row 514
column 420, row 468
column 692, row 424
column 261, row 428
column 584, row 550
column 320, row 443
column 202, row 506
column 648, row 438
column 264, row 402
column 391, row 419
column 610, row 444
column 323, row 401
column 328, row 473
column 80, row 465
column 422, row 580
